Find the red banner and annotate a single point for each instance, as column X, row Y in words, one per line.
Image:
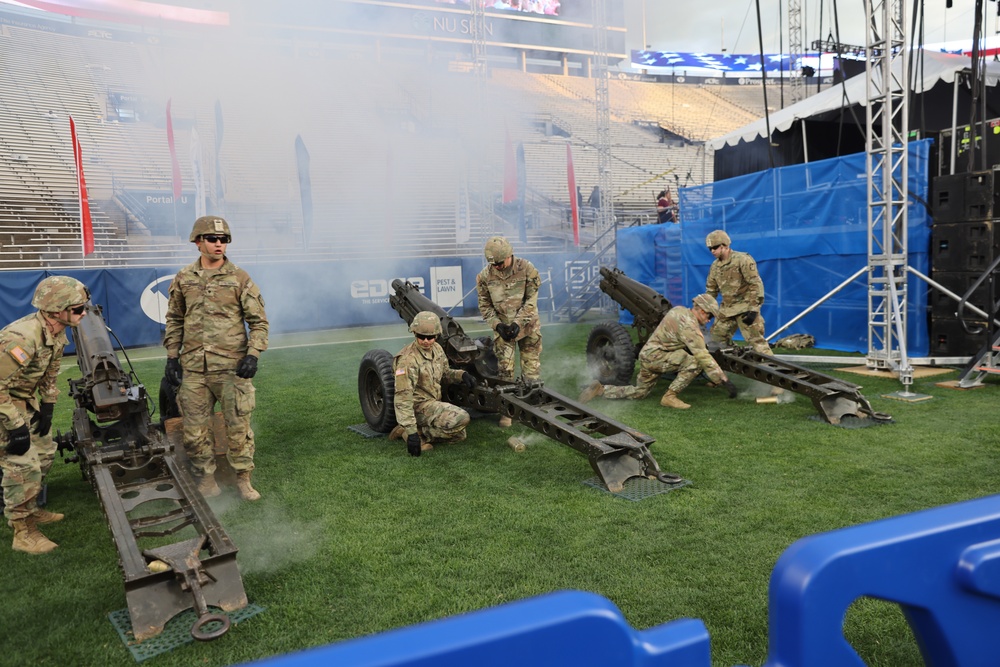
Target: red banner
column 86, row 226
column 509, row 172
column 175, row 166
column 571, row 181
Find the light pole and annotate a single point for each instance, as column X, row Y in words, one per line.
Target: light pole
column 644, row 45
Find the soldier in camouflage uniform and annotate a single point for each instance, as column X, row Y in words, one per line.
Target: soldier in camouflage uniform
column 734, row 275
column 508, row 301
column 210, row 357
column 422, row 417
column 677, row 345
column 31, row 350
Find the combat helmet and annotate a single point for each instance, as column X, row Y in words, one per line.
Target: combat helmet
column 718, row 237
column 57, row 293
column 497, row 249
column 210, row 224
column 708, row 304
column 426, row 323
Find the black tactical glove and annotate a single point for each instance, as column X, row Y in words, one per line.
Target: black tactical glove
column 508, row 331
column 18, row 440
column 413, row 444
column 247, row 367
column 468, row 380
column 749, row 317
column 42, row 421
column 730, row 388
column 173, row 372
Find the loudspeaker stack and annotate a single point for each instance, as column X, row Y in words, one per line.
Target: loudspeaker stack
column 964, row 241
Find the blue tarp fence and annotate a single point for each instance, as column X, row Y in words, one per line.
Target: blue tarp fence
column 807, row 227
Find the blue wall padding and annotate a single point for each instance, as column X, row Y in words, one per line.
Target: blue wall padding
column 807, row 227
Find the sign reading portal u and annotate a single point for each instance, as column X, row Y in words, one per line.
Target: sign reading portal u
column 446, row 286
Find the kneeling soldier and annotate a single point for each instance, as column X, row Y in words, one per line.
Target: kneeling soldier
column 677, row 345
column 422, row 417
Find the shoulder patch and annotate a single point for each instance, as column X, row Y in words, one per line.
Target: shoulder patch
column 19, row 355
column 400, row 371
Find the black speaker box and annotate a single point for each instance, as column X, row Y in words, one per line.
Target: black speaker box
column 964, row 246
column 943, row 306
column 949, row 339
column 964, row 197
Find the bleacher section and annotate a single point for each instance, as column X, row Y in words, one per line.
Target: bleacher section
column 397, row 155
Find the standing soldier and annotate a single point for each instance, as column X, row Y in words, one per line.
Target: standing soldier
column 422, row 417
column 508, row 301
column 31, row 350
column 210, row 357
column 734, row 275
column 677, row 345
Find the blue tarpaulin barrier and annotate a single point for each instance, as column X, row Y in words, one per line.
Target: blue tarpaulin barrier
column 807, row 227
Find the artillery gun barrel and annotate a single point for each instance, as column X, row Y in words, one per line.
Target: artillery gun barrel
column 408, row 301
column 646, row 304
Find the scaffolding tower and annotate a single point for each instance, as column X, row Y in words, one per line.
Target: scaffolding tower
column 887, row 78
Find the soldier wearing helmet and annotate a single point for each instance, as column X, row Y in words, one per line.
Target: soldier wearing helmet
column 734, row 275
column 419, row 369
column 211, row 358
column 677, row 345
column 31, row 350
column 508, row 301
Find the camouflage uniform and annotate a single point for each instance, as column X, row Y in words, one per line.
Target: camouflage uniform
column 742, row 291
column 676, row 346
column 30, row 356
column 511, row 295
column 205, row 328
column 418, row 404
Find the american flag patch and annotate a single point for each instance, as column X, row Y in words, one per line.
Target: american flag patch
column 20, row 356
column 400, row 371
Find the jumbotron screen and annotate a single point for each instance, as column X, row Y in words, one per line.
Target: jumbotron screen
column 544, row 7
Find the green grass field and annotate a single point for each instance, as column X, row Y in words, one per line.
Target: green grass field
column 354, row 537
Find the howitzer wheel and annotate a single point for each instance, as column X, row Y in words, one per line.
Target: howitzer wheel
column 377, row 389
column 610, row 354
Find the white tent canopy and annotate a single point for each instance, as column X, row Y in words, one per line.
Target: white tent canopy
column 924, row 75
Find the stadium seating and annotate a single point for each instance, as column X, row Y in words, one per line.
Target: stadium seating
column 396, row 150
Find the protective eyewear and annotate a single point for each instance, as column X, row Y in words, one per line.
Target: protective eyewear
column 78, row 310
column 499, row 264
column 212, row 238
column 716, row 247
column 426, row 336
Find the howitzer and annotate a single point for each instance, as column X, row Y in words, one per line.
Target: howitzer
column 611, row 354
column 616, row 452
column 146, row 495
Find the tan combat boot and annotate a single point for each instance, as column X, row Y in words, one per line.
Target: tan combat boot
column 398, row 433
column 40, row 516
column 45, row 516
column 504, row 422
column 28, row 539
column 207, row 486
column 591, row 391
column 670, row 400
column 247, row 492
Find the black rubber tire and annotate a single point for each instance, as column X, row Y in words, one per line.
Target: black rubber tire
column 610, row 354
column 377, row 389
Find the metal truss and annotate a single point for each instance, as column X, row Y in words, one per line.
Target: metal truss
column 887, row 79
column 602, row 106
